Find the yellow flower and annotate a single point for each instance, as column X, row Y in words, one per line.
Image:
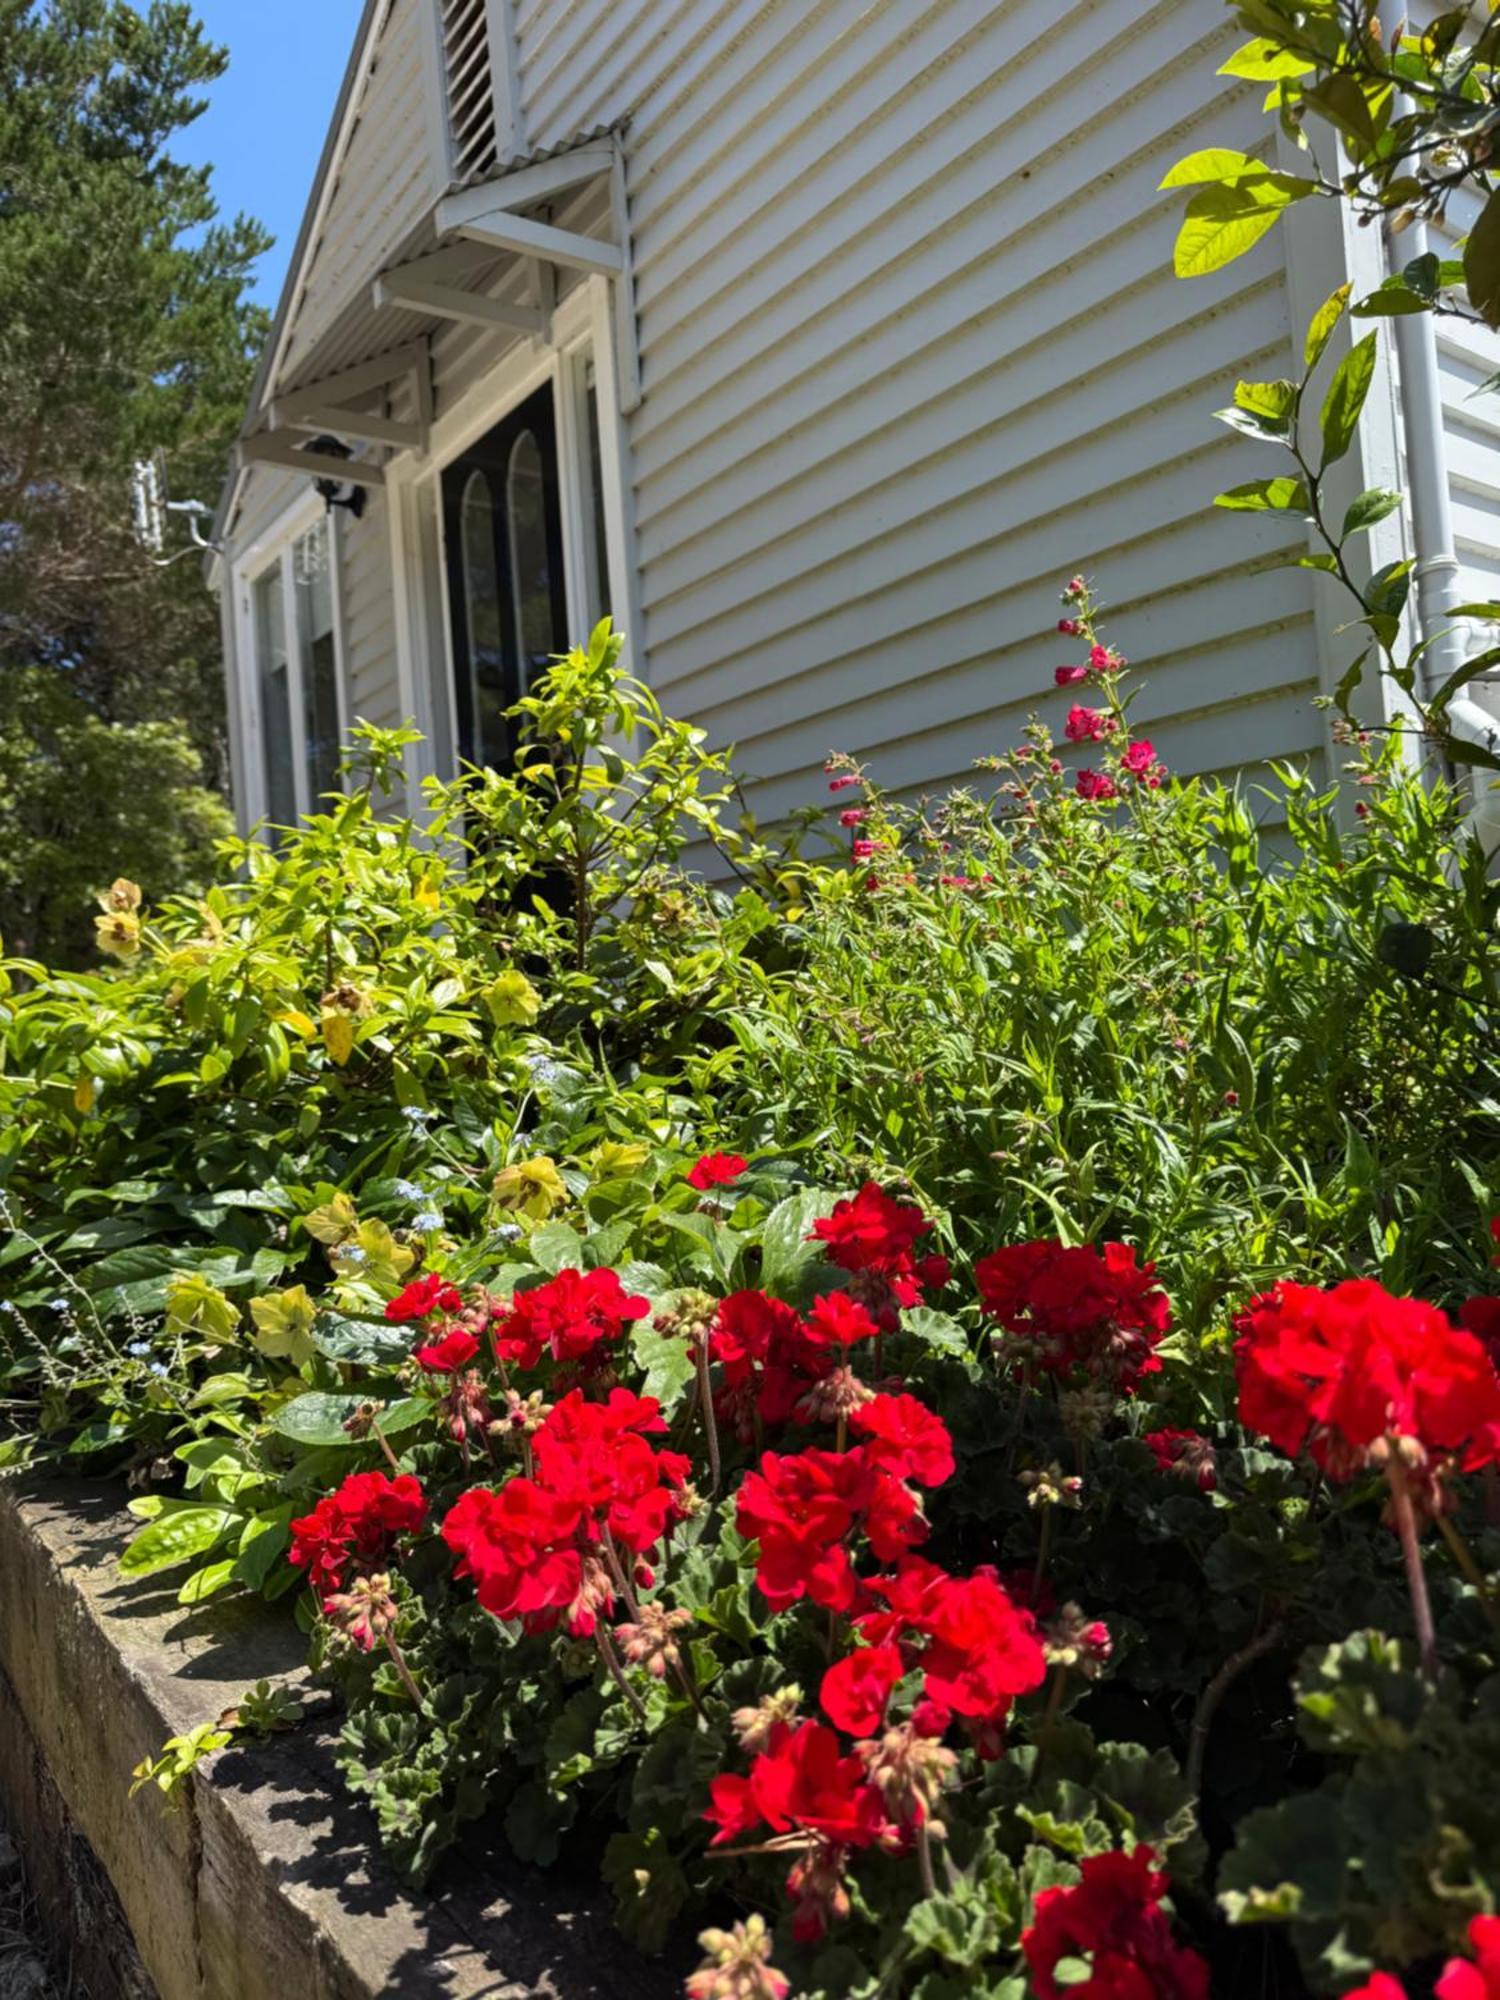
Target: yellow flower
column 118, row 934
column 512, row 1000
column 374, row 1257
column 533, row 1188
column 196, row 1306
column 120, row 897
column 283, row 1325
column 614, row 1159
column 335, row 1222
column 338, row 1035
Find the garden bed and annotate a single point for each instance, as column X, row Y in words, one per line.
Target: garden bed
column 267, row 1881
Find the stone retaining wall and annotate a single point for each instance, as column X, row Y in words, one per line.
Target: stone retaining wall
column 267, row 1884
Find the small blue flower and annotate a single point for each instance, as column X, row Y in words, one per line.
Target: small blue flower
column 507, row 1232
column 543, row 1069
column 350, row 1253
column 139, row 1348
column 158, row 1367
column 10, row 1306
column 414, row 1114
column 428, row 1218
column 57, row 1305
column 409, row 1191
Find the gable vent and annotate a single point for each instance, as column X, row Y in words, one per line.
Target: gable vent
column 471, row 89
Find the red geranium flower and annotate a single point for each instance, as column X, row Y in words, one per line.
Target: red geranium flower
column 1112, row 1919
column 905, row 1438
column 356, row 1528
column 716, row 1170
column 873, row 1232
column 976, row 1648
column 803, row 1511
column 533, row 1547
column 836, row 1320
column 1462, row 1980
column 767, row 1359
column 1079, row 1308
column 569, row 1317
column 856, row 1689
column 1188, row 1454
column 1336, row 1370
column 455, row 1350
column 427, row 1294
column 802, row 1781
column 1381, row 1986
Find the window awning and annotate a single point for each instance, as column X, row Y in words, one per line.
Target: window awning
column 445, row 272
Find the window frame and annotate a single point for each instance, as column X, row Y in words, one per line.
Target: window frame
column 275, row 549
column 583, row 328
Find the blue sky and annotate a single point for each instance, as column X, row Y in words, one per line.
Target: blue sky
column 264, row 128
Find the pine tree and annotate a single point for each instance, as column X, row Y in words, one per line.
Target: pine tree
column 125, row 328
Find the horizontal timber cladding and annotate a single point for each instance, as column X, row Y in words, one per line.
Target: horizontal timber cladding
column 912, row 352
column 385, row 183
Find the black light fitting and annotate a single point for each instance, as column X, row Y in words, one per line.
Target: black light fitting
column 332, row 492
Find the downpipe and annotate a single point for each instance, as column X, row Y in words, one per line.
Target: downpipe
column 1431, row 512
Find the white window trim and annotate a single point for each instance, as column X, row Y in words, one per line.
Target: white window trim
column 272, row 549
column 583, row 323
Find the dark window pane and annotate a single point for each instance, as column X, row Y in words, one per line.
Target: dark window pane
column 275, row 698
column 594, row 499
column 482, row 616
column 312, row 579
column 529, row 563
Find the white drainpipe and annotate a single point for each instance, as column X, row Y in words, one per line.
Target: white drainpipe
column 1431, row 510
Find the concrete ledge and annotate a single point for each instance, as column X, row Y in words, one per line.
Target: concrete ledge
column 268, row 1886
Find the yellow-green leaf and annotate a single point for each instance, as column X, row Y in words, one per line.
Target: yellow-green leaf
column 1223, row 222
column 1262, row 61
column 1324, row 320
column 1211, row 163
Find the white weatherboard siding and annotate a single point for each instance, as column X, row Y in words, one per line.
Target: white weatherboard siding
column 912, row 350
column 387, row 181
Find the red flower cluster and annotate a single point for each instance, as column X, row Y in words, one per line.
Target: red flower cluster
column 805, row 1510
column 768, row 1360
column 1187, row 1455
column 856, row 1688
column 1087, row 725
column 1079, row 1308
column 427, row 1294
column 1095, row 785
column 1334, row 1371
column 538, row 1547
column 801, row 1781
column 976, row 1649
column 454, row 1351
column 903, row 1437
column 570, row 1317
column 1113, row 1920
column 874, row 1236
column 716, row 1170
column 355, row 1529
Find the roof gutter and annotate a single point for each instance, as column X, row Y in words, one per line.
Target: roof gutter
column 1436, row 565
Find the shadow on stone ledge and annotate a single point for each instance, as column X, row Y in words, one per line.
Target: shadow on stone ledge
column 270, row 1886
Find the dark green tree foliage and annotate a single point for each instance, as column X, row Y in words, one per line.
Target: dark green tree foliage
column 124, row 329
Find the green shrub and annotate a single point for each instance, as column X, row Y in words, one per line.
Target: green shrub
column 1139, row 1016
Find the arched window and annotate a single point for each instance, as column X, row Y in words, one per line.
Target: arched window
column 530, row 562
column 483, row 611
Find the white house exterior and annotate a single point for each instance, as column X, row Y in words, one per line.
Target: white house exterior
column 818, row 340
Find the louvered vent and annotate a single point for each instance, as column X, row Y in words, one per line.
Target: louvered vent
column 471, row 93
